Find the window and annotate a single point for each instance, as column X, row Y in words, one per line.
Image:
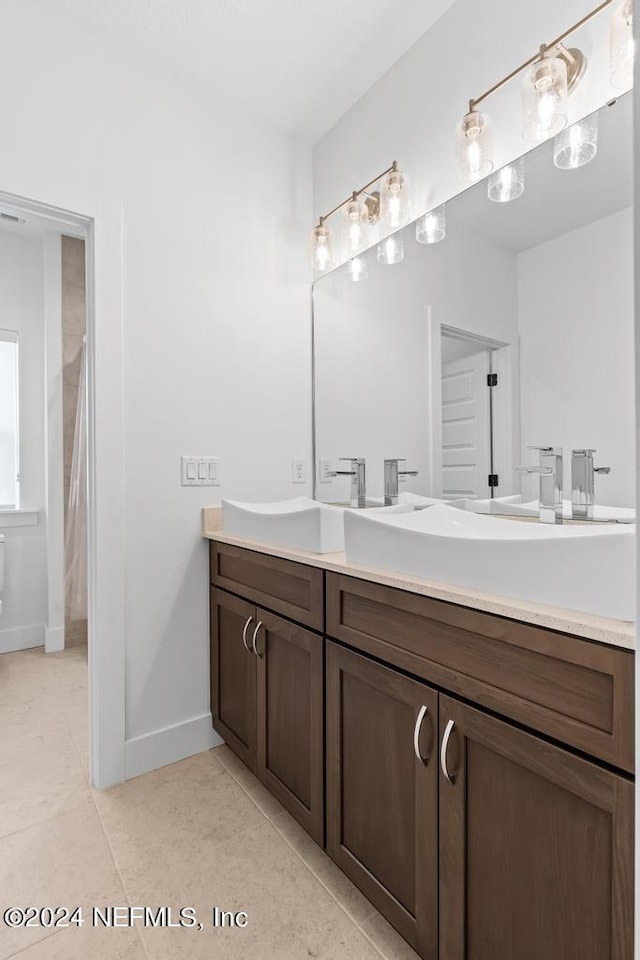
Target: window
column 9, row 440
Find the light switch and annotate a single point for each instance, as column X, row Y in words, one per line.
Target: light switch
column 200, row 471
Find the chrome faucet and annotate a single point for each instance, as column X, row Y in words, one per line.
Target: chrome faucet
column 391, row 474
column 358, row 480
column 583, row 475
column 550, row 472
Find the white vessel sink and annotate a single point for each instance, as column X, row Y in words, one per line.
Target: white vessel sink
column 589, row 568
column 516, row 506
column 301, row 523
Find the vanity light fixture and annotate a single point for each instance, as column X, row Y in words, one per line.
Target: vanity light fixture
column 391, row 249
column 553, row 74
column 390, row 203
column 358, row 269
column 545, row 96
column 432, row 227
column 622, row 46
column 322, row 258
column 576, row 145
column 507, row 183
column 474, row 148
column 355, row 225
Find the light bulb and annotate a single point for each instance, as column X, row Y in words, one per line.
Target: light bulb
column 545, row 99
column 432, row 227
column 474, row 155
column 394, row 199
column 355, row 225
column 391, row 250
column 321, row 248
column 622, row 46
column 358, row 269
column 507, row 183
column 576, row 145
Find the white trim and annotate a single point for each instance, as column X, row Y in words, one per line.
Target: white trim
column 21, row 638
column 170, row 744
column 54, row 426
column 54, row 639
column 102, row 229
column 19, row 518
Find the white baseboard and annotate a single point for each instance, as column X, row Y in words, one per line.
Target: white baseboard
column 21, row 638
column 157, row 749
column 53, row 639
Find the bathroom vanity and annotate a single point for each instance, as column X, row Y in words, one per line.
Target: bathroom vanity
column 467, row 762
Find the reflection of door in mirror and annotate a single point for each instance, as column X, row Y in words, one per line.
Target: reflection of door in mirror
column 466, row 419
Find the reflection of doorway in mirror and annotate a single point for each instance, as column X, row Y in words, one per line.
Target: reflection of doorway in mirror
column 470, row 418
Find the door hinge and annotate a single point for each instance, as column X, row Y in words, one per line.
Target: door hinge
column 494, row 480
column 492, row 379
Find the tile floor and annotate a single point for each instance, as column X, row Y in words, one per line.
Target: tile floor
column 199, row 833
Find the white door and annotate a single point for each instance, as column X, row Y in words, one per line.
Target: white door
column 466, row 435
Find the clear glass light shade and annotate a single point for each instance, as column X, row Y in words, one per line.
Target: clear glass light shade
column 576, row 145
column 432, row 227
column 391, row 250
column 474, row 149
column 622, row 46
column 322, row 257
column 507, row 183
column 545, row 99
column 355, row 226
column 358, row 269
column 395, row 208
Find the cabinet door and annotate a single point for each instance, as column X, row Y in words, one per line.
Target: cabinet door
column 233, row 674
column 290, row 718
column 536, row 847
column 382, row 790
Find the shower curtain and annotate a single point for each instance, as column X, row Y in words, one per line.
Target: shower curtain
column 76, row 525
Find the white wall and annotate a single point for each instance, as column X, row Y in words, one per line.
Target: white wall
column 373, row 354
column 576, row 343
column 22, row 621
column 216, row 336
column 411, row 113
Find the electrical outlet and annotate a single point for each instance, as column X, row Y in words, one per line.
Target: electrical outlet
column 298, row 471
column 325, row 470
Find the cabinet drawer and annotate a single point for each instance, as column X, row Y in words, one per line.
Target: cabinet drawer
column 576, row 691
column 292, row 589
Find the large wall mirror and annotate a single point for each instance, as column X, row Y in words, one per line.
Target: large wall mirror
column 535, row 293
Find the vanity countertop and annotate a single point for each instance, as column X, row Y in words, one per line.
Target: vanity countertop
column 619, row 633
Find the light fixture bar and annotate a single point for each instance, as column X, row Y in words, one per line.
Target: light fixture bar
column 356, row 193
column 544, row 47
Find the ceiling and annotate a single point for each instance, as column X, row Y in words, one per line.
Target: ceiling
column 300, row 65
column 555, row 201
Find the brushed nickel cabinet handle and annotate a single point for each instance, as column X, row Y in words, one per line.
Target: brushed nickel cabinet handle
column 443, row 751
column 253, row 639
column 416, row 736
column 244, row 634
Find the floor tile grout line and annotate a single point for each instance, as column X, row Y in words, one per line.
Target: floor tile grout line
column 34, row 943
column 353, row 920
column 117, row 868
column 54, row 816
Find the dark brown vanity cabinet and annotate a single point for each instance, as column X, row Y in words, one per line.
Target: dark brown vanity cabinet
column 267, row 696
column 536, row 847
column 478, row 769
column 382, row 790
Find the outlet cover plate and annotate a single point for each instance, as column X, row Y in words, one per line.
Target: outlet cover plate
column 298, row 470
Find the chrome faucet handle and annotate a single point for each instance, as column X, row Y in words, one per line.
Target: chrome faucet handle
column 583, row 474
column 605, row 471
column 358, row 479
column 391, row 474
column 550, row 471
column 542, row 471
